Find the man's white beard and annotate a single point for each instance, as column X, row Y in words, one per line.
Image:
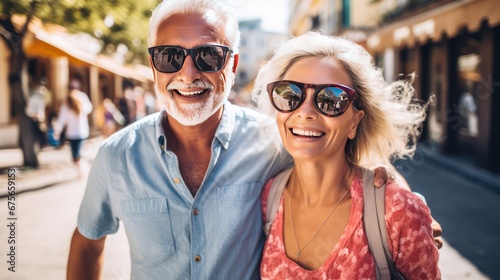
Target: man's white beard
column 193, row 113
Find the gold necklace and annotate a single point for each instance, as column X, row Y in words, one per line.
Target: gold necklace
column 299, row 250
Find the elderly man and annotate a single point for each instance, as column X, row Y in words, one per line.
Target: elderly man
column 185, row 182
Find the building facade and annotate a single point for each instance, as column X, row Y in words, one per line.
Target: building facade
column 454, row 49
column 257, row 45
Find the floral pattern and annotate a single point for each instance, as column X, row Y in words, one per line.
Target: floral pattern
column 408, row 221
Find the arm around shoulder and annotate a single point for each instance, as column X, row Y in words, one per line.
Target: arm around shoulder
column 85, row 257
column 411, row 237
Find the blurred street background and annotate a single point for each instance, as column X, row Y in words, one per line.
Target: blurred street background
column 452, row 47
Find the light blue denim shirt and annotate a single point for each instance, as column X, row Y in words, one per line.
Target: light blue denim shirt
column 215, row 235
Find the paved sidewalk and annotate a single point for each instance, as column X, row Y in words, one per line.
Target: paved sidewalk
column 45, row 221
column 56, row 166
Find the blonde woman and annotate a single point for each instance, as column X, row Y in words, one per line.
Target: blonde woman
column 335, row 113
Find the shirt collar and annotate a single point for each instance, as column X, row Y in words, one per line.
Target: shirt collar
column 223, row 133
column 160, row 133
column 226, row 125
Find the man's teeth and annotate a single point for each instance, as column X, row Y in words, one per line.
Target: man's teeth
column 190, row 92
column 306, row 133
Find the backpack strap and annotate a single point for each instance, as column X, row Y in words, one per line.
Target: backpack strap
column 374, row 223
column 274, row 197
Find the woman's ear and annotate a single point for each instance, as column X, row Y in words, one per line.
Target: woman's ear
column 358, row 115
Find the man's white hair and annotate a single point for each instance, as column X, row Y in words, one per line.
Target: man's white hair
column 219, row 13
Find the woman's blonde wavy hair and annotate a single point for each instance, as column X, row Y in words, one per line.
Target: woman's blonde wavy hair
column 392, row 120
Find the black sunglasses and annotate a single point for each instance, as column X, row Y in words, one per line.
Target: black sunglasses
column 206, row 58
column 330, row 100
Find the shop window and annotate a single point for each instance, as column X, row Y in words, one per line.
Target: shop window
column 407, row 61
column 468, row 64
column 436, row 76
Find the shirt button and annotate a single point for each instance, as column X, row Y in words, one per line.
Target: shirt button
column 177, row 180
column 197, row 258
column 195, row 212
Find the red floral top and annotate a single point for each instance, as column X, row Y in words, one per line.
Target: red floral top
column 408, row 223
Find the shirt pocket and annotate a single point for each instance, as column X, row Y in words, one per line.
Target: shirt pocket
column 148, row 226
column 235, row 194
column 240, row 218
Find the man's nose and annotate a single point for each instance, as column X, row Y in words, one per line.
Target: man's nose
column 188, row 72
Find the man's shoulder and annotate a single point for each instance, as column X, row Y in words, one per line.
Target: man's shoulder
column 247, row 113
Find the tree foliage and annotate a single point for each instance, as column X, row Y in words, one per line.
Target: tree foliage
column 128, row 27
column 130, row 20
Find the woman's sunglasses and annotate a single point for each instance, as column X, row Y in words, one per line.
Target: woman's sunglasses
column 206, row 58
column 330, row 100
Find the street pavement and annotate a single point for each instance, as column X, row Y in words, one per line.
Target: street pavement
column 465, row 201
column 47, row 203
column 48, row 199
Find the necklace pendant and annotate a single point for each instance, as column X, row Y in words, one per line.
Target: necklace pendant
column 298, row 255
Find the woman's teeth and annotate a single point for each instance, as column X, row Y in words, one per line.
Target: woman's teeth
column 306, row 133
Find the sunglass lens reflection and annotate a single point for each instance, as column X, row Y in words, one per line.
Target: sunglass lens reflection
column 209, row 58
column 287, row 97
column 332, row 100
column 169, row 59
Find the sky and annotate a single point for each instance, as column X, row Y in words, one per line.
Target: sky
column 274, row 13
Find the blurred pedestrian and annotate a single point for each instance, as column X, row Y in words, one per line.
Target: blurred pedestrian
column 109, row 118
column 468, row 111
column 150, row 103
column 73, row 118
column 126, row 104
column 139, row 102
column 35, row 110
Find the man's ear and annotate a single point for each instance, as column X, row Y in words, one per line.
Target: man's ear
column 152, row 68
column 235, row 62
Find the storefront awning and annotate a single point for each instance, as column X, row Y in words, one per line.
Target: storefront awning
column 43, row 48
column 80, row 52
column 432, row 25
